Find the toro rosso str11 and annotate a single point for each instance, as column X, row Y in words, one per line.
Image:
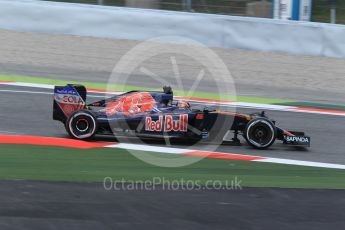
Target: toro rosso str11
column 156, row 115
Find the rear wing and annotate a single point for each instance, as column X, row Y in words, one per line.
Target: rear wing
column 68, row 99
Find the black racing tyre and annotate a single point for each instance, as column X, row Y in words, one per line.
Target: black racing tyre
column 81, row 125
column 260, row 133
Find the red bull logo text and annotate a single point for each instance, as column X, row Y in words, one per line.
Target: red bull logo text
column 167, row 123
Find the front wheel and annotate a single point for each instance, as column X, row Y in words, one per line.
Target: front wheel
column 81, row 125
column 260, row 133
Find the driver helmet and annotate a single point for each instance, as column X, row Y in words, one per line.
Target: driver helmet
column 183, row 104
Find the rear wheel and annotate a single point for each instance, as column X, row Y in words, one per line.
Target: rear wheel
column 81, row 125
column 260, row 133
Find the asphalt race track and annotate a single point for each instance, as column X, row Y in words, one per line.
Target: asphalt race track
column 28, row 111
column 87, row 206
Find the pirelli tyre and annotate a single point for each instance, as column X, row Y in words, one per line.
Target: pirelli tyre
column 260, row 133
column 81, row 125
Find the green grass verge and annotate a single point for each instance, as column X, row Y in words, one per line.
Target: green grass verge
column 64, row 164
column 204, row 95
column 315, row 105
column 101, row 86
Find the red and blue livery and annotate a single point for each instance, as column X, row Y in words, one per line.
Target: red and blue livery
column 153, row 114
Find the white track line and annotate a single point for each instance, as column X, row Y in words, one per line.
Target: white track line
column 171, row 150
column 32, row 85
column 38, row 92
column 249, row 105
column 149, row 148
column 302, row 163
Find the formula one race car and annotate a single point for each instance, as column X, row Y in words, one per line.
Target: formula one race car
column 150, row 114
